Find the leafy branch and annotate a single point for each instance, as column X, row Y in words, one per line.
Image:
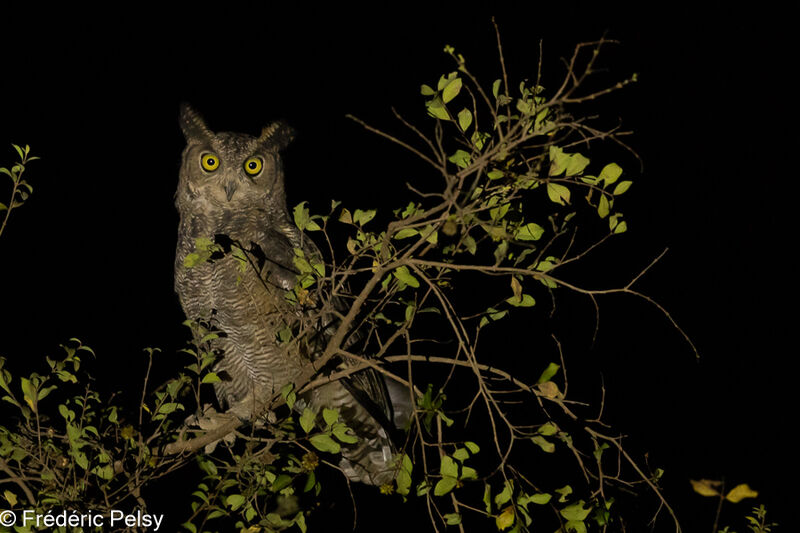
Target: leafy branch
column 20, row 189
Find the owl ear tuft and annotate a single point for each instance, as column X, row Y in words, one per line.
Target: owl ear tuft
column 276, row 136
column 193, row 125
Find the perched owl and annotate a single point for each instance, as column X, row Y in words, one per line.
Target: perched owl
column 231, row 189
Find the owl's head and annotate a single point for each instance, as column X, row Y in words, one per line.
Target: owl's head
column 232, row 169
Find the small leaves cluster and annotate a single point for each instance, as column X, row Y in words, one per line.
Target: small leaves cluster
column 332, row 432
column 252, row 492
column 70, row 447
column 263, row 483
column 20, row 188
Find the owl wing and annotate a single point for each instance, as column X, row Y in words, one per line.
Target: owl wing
column 373, row 410
column 276, row 254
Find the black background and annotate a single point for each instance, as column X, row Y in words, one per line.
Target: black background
column 95, row 93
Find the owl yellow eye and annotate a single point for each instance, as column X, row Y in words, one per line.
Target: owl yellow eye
column 210, row 162
column 253, row 166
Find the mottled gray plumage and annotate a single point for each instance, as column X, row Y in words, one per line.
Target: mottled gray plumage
column 232, row 185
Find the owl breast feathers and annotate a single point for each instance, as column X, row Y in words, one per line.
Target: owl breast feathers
column 231, row 190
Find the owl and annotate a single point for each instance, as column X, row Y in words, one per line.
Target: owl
column 231, row 195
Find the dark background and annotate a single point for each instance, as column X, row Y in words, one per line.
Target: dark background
column 96, row 93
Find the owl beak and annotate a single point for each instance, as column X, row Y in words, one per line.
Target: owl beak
column 230, row 188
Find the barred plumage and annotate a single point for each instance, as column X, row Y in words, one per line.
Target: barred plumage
column 231, row 188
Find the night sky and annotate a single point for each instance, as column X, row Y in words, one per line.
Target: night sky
column 96, row 94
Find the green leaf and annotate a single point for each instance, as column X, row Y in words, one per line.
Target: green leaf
column 604, row 207
column 558, row 193
column 362, row 217
column 544, row 444
column 495, row 174
column 470, row 244
column 468, row 473
column 526, row 107
column 461, row 158
column 288, row 394
column 301, row 215
column 45, row 391
column 529, row 232
column 10, row 497
column 406, row 277
column 281, row 482
column 211, row 377
column 505, row 519
column 68, row 414
column 576, row 511
column 577, row 163
column 446, row 419
column 300, row 521
column 103, row 472
column 444, row 485
column 307, row 420
column 487, row 497
column 548, row 373
column 345, row 216
column 622, row 227
column 3, row 207
column 472, row 447
column 558, row 161
column 426, row 90
column 406, row 233
column 564, row 491
column 82, row 461
column 28, row 391
column 505, row 495
column 403, row 478
column 464, row 119
column 547, row 429
column 449, row 467
column 325, row 443
column 432, row 236
column 575, row 526
column 451, row 90
column 452, row 519
column 610, row 173
column 437, row 109
column 598, row 452
column 461, row 454
column 234, row 501
column 740, row 492
column 330, row 416
column 621, row 187
column 169, row 407
column 479, row 139
column 340, row 431
column 499, row 212
column 541, row 499
column 311, row 480
column 496, row 88
column 524, row 300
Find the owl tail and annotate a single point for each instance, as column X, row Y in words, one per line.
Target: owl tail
column 374, row 416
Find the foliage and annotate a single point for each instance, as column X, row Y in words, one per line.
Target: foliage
column 20, row 188
column 511, row 185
